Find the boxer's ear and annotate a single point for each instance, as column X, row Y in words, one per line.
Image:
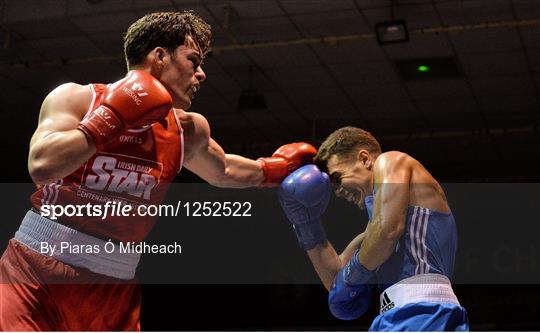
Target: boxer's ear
column 157, row 57
column 370, row 164
column 160, row 54
column 364, row 158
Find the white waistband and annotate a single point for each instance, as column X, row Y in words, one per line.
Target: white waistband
column 36, row 230
column 433, row 288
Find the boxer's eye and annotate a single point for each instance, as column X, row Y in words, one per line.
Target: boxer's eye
column 196, row 63
column 335, row 178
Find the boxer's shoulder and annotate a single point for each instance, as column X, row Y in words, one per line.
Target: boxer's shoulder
column 399, row 167
column 392, row 161
column 69, row 97
column 195, row 125
column 196, row 130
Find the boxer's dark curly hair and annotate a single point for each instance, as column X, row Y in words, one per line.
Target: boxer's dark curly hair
column 345, row 142
column 165, row 29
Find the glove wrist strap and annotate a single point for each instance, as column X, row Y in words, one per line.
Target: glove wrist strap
column 102, row 125
column 310, row 234
column 275, row 170
column 354, row 273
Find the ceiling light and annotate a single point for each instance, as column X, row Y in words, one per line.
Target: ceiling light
column 389, row 32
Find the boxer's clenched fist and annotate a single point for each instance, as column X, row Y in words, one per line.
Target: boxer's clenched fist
column 285, row 160
column 137, row 100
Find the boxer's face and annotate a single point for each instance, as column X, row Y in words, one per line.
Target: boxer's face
column 352, row 177
column 182, row 73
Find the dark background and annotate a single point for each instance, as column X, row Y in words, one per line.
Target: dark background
column 478, row 125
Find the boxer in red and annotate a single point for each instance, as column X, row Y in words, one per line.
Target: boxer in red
column 122, row 142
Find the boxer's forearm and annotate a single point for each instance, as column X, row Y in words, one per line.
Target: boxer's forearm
column 326, row 262
column 393, row 173
column 58, row 154
column 378, row 245
column 242, row 172
column 224, row 170
column 235, row 172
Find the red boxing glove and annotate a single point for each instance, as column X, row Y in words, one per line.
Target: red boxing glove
column 137, row 100
column 285, row 160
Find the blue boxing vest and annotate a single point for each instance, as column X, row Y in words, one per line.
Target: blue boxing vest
column 426, row 250
column 428, row 245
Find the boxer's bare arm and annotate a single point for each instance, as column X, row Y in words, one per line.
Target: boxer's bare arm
column 327, row 262
column 57, row 148
column 206, row 158
column 392, row 171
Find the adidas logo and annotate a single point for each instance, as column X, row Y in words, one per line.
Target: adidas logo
column 386, row 303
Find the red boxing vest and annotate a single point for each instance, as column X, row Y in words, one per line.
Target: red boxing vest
column 135, row 169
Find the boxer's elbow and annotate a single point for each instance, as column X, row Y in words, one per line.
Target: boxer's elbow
column 41, row 171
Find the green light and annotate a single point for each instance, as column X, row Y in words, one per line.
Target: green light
column 423, row 68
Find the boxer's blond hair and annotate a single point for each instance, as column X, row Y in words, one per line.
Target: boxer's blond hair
column 344, row 143
column 165, row 29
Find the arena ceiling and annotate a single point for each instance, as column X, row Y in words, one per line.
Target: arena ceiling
column 318, row 65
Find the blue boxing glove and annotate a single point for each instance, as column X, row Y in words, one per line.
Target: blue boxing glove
column 304, row 195
column 352, row 290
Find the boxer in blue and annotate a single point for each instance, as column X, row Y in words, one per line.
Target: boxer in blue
column 408, row 248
